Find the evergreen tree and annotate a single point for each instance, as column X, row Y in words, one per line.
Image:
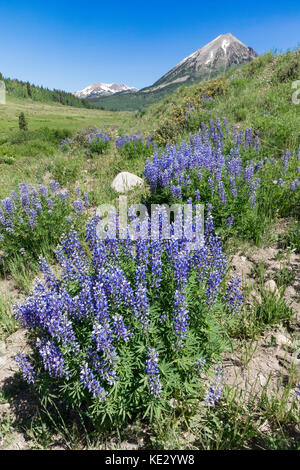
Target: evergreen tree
column 22, row 122
column 29, row 89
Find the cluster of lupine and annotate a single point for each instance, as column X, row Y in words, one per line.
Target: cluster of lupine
column 98, row 142
column 99, row 325
column 218, row 166
column 33, row 216
column 192, row 110
column 65, row 143
column 135, row 145
column 203, row 157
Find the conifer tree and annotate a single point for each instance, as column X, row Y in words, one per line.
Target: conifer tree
column 22, row 122
column 28, row 89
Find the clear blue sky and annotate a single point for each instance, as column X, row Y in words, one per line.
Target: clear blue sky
column 71, row 44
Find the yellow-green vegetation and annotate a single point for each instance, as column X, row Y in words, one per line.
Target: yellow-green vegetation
column 175, row 117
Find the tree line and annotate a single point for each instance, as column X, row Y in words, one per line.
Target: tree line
column 21, row 89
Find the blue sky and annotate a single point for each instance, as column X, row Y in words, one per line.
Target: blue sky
column 71, row 44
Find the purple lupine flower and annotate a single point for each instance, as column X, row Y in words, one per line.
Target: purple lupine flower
column 200, row 363
column 8, row 206
column 50, row 203
column 26, row 368
column 229, row 221
column 286, row 159
column 14, row 195
column 142, row 306
column 86, row 200
column 233, row 296
column 213, row 285
column 153, row 373
column 53, row 359
column 215, row 390
column 180, row 318
column 78, row 206
column 54, row 186
column 64, row 195
column 102, row 335
column 43, row 190
column 120, row 329
column 197, row 195
column 91, row 383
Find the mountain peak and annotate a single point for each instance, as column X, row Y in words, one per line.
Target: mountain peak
column 220, row 54
column 103, row 89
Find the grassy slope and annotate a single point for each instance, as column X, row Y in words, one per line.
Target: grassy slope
column 54, row 116
column 147, row 97
column 258, row 94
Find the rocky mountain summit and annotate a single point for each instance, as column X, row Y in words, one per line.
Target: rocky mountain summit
column 217, row 56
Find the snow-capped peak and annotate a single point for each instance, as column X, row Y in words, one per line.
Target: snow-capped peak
column 99, row 89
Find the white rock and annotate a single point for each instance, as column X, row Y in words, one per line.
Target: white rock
column 271, row 286
column 126, row 181
column 281, row 340
column 262, row 379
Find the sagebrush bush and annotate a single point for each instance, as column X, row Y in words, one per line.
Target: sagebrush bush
column 128, row 325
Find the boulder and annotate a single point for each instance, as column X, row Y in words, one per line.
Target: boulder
column 126, row 181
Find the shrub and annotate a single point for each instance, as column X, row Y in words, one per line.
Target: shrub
column 98, row 143
column 128, row 324
column 32, row 221
column 135, row 146
column 22, row 122
column 185, row 117
column 288, row 68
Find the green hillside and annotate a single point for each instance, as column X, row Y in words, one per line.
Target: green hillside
column 257, row 95
column 143, row 98
column 21, row 89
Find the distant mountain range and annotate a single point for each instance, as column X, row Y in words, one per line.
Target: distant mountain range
column 103, row 89
column 219, row 55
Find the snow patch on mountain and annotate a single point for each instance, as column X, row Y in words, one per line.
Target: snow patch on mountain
column 102, row 89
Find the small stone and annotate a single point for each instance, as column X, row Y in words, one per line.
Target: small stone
column 281, row 340
column 271, row 286
column 126, row 181
column 262, row 379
